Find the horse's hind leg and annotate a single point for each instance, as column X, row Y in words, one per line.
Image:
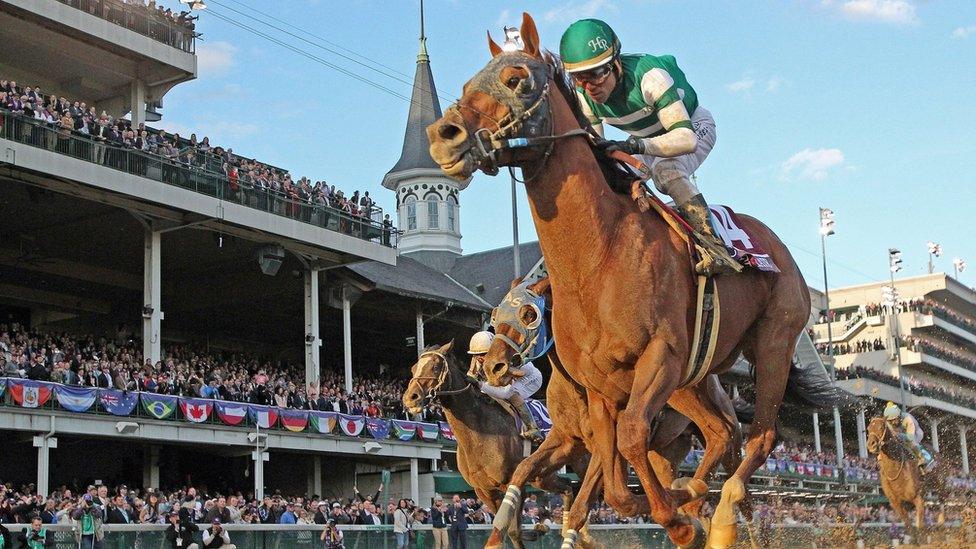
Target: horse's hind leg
column 772, row 354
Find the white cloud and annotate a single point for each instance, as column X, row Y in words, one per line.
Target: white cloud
column 504, row 19
column 811, row 164
column 901, row 12
column 774, row 83
column 964, row 32
column 579, row 10
column 215, row 57
column 744, row 84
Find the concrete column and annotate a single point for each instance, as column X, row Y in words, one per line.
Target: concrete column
column 838, row 436
column 152, row 314
column 317, row 475
column 862, row 437
column 150, row 467
column 44, row 443
column 414, row 480
column 816, row 432
column 259, row 457
column 963, row 450
column 312, row 341
column 137, row 99
column 935, row 434
column 433, row 466
column 420, row 333
column 347, row 337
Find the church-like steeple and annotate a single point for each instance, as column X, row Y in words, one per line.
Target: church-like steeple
column 427, row 200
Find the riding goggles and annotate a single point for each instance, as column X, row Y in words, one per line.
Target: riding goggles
column 593, row 77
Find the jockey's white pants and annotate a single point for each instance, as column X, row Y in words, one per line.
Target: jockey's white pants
column 672, row 176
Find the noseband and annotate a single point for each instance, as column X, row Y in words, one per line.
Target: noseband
column 441, row 375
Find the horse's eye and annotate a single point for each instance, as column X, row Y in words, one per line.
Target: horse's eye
column 513, row 82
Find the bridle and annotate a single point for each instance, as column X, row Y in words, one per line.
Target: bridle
column 487, row 145
column 442, row 374
column 507, row 312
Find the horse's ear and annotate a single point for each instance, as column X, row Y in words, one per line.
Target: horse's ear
column 493, row 46
column 530, row 36
column 446, row 348
column 540, row 287
column 515, row 282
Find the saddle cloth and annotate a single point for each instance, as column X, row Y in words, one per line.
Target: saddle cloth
column 741, row 245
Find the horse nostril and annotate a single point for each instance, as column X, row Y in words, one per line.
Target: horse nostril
column 452, row 132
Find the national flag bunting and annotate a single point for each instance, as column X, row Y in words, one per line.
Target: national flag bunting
column 323, row 422
column 3, row 386
column 446, row 431
column 264, row 417
column 427, row 431
column 118, row 403
column 30, row 394
column 196, row 410
column 230, row 413
column 404, row 430
column 379, row 428
column 75, row 399
column 294, row 420
column 352, row 425
column 158, row 406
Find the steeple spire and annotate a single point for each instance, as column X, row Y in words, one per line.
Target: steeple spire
column 422, row 56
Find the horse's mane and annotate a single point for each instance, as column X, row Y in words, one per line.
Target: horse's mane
column 618, row 178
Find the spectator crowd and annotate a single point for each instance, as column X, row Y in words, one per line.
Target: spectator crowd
column 147, row 17
column 916, row 386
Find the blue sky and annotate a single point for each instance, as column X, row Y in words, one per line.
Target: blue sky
column 864, row 106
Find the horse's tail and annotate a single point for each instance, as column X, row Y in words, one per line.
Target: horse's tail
column 810, row 387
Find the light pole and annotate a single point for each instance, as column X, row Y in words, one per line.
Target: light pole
column 890, row 296
column 827, row 229
column 958, row 266
column 934, row 250
column 513, row 42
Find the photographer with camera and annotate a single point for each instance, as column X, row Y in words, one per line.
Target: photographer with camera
column 216, row 537
column 331, row 536
column 180, row 533
column 35, row 535
column 87, row 518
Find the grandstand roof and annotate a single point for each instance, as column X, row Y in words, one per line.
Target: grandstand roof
column 489, row 274
column 412, row 278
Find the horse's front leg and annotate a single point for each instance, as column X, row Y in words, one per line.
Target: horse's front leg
column 656, row 375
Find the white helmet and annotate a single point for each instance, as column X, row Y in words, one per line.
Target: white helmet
column 480, row 343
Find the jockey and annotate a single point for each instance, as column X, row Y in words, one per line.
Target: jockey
column 526, row 380
column 648, row 97
column 909, row 430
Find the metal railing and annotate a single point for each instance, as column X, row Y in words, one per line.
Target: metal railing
column 36, row 133
column 281, row 536
column 139, row 19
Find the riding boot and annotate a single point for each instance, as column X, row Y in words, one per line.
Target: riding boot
column 716, row 259
column 530, row 430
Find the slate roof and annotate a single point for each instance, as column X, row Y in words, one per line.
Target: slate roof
column 493, row 269
column 412, row 278
column 424, row 110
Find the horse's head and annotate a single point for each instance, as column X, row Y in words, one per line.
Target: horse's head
column 430, row 375
column 517, row 320
column 883, row 439
column 507, row 99
column 877, row 434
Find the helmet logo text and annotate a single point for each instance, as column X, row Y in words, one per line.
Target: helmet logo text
column 598, row 44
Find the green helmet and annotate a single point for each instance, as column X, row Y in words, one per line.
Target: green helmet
column 587, row 44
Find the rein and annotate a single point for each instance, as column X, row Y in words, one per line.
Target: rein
column 441, row 378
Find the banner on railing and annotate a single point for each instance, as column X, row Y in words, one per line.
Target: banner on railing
column 404, row 430
column 158, row 406
column 294, row 420
column 230, row 413
column 3, row 386
column 427, row 431
column 352, row 425
column 75, row 399
column 379, row 428
column 323, row 422
column 264, row 417
column 28, row 393
column 196, row 410
column 446, row 431
column 118, row 403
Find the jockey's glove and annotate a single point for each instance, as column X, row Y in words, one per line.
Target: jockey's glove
column 633, row 145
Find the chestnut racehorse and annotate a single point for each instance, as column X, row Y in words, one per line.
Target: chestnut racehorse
column 519, row 322
column 621, row 281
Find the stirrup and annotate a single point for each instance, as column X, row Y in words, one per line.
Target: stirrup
column 714, row 262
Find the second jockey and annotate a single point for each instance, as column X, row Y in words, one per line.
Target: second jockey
column 648, row 97
column 910, row 431
column 526, row 380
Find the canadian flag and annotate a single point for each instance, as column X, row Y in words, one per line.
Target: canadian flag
column 196, row 411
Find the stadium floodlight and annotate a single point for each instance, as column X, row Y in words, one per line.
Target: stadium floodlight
column 894, row 259
column 372, row 447
column 889, row 295
column 934, row 249
column 826, row 221
column 513, row 40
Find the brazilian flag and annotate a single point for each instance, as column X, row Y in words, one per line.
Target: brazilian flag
column 158, row 406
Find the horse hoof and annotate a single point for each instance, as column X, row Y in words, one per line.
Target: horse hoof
column 722, row 533
column 695, row 487
column 700, row 538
